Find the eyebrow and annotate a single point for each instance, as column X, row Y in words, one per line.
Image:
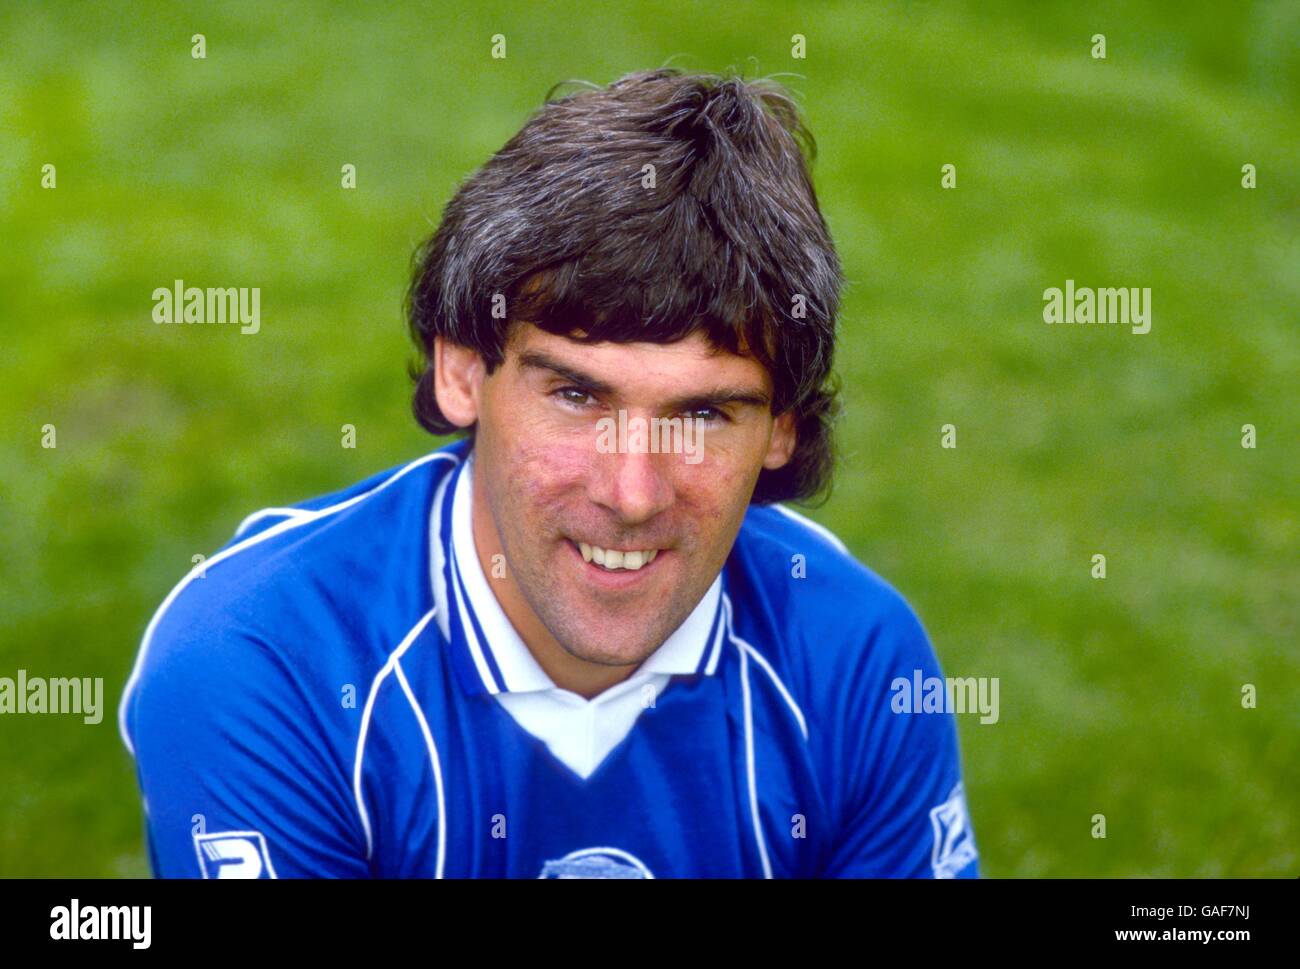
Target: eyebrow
column 539, row 360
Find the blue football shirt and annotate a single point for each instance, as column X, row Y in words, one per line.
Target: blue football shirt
column 337, row 693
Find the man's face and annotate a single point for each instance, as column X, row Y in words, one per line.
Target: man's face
column 544, row 486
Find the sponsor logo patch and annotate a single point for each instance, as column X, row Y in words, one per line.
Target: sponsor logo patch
column 954, row 845
column 233, row 854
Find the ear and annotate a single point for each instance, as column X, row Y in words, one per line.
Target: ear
column 781, row 444
column 458, row 379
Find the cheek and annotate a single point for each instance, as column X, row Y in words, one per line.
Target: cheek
column 533, row 457
column 716, row 493
column 732, row 461
column 541, row 470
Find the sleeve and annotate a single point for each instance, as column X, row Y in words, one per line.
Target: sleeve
column 235, row 768
column 903, row 805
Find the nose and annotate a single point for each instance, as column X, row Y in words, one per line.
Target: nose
column 635, row 487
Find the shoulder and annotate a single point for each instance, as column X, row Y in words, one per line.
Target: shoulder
column 370, row 497
column 309, row 596
column 801, row 590
column 828, row 632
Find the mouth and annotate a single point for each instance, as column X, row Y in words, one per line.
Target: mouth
column 622, row 566
column 614, row 559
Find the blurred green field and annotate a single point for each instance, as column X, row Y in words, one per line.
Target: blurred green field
column 1118, row 697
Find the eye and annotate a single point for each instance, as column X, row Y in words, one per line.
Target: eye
column 573, row 396
column 710, row 415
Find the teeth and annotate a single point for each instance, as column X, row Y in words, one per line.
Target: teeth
column 615, row 559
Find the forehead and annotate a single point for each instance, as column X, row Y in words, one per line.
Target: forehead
column 693, row 360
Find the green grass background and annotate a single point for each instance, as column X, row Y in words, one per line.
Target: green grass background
column 1118, row 697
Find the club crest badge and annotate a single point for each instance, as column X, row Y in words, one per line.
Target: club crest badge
column 596, row 863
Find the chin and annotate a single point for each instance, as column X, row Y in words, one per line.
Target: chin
column 610, row 654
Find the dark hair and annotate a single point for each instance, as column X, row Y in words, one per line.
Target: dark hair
column 729, row 242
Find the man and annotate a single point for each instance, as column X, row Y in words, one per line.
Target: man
column 565, row 646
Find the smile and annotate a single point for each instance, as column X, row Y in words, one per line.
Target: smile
column 613, row 559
